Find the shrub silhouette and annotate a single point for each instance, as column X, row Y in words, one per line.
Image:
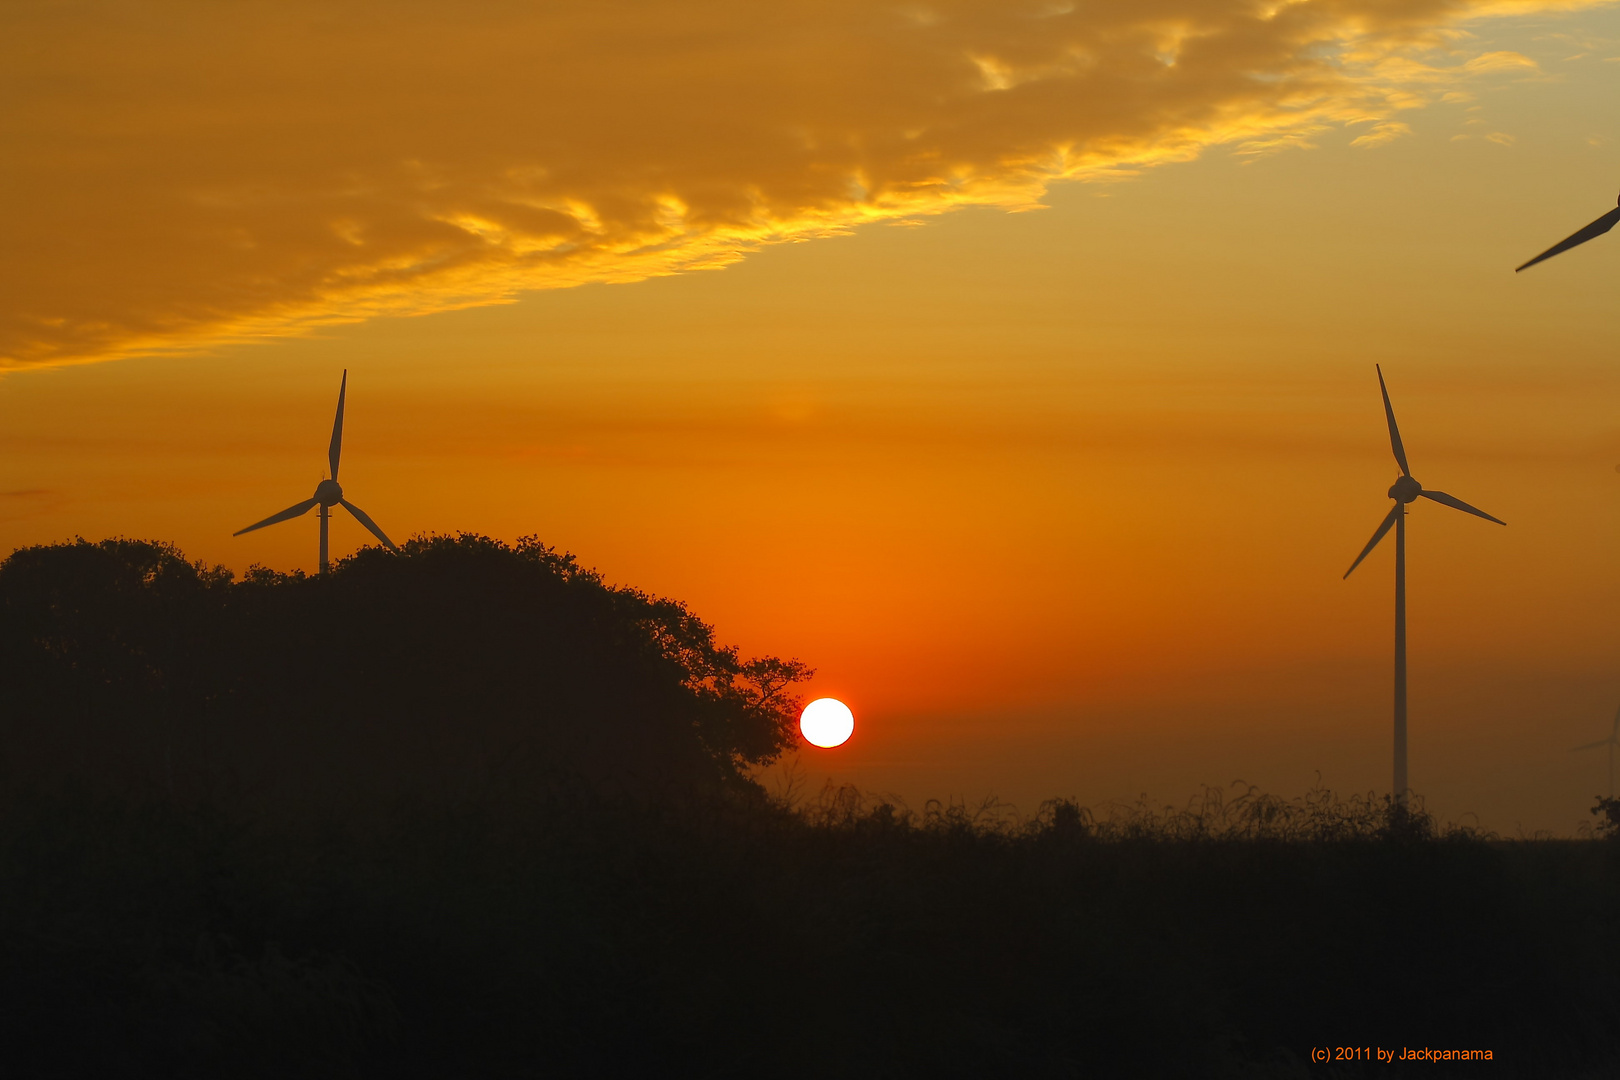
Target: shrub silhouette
column 1607, row 812
column 462, row 665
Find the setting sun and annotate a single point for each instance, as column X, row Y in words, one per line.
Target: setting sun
column 827, row 722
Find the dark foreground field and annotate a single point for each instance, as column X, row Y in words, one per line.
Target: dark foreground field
column 573, row 934
column 293, row 827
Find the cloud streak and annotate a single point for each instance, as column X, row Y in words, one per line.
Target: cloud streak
column 184, row 173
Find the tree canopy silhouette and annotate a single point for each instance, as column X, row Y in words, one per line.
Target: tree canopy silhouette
column 460, row 664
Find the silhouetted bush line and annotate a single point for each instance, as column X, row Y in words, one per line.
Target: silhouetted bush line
column 380, row 826
column 1318, row 816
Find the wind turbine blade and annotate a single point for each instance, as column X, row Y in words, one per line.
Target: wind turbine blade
column 1597, row 228
column 1615, row 734
column 1394, row 432
column 362, row 518
column 335, row 451
column 1389, row 521
column 286, row 515
column 1457, row 504
column 1591, row 745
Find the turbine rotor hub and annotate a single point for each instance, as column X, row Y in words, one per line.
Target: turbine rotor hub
column 328, row 493
column 1405, row 490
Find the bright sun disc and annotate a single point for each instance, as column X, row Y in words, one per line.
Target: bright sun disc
column 827, row 722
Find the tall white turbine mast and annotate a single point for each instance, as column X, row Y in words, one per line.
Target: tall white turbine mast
column 1611, row 742
column 327, row 494
column 1405, row 490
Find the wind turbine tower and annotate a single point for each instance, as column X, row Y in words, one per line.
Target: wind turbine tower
column 327, row 494
column 1404, row 491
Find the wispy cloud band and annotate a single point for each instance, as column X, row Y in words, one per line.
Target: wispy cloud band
column 183, row 173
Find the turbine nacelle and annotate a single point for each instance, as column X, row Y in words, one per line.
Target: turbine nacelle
column 328, row 493
column 1405, row 490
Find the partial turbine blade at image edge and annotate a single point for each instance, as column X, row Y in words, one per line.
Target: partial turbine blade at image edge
column 1591, row 745
column 1389, row 521
column 362, row 518
column 335, row 451
column 1457, row 504
column 1394, row 432
column 286, row 515
column 1597, row 228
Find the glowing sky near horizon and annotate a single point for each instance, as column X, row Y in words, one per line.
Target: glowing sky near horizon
column 1057, row 499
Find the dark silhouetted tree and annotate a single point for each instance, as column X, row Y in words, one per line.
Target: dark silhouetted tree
column 461, row 665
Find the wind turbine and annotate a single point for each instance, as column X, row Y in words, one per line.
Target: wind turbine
column 1405, row 490
column 1597, row 228
column 327, row 493
column 1611, row 742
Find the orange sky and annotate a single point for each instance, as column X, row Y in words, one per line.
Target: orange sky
column 1057, row 499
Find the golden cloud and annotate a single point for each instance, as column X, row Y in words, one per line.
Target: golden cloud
column 188, row 172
